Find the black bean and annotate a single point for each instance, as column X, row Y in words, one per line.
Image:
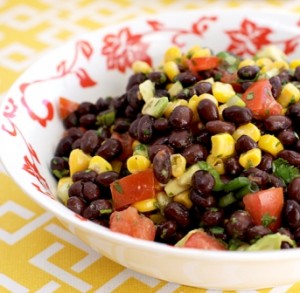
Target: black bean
column 238, row 224
column 177, row 212
column 90, row 191
column 120, row 104
column 121, row 125
column 86, row 108
column 232, row 166
column 162, row 166
column 207, row 110
column 293, row 189
column 248, row 72
column 98, row 208
column 293, row 112
column 199, row 200
column 84, row 176
column 64, row 147
column 75, row 189
column 291, row 213
column 297, row 73
column 285, row 76
column 145, row 129
column 194, row 153
column 203, row 182
column 106, row 178
column 104, row 133
column 166, row 230
column 134, row 98
column 266, row 163
column 260, row 177
column 74, row 132
column 287, row 137
column 213, row 217
column 161, row 93
column 72, row 120
column 154, row 149
column 276, row 123
column 133, row 129
column 245, row 85
column 158, row 77
column 275, row 181
column 181, row 117
column 244, row 143
column 256, row 232
column 102, row 104
column 204, row 138
column 59, row 167
column 89, row 141
column 180, row 139
column 276, row 86
column 161, row 124
column 135, row 79
column 291, row 156
column 203, row 87
column 218, row 126
column 186, row 78
column 110, row 149
column 88, row 121
column 237, row 115
column 76, row 204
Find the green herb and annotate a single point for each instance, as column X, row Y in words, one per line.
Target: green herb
column 106, row 118
column 117, row 186
column 250, row 96
column 216, row 230
column 218, row 182
column 105, row 211
column 281, row 168
column 61, row 173
column 266, row 219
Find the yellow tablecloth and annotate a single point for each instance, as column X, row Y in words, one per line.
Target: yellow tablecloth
column 37, row 254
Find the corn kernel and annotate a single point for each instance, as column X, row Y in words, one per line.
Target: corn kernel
column 157, row 218
column 99, row 164
column 146, row 205
column 141, row 67
column 137, row 163
column 264, row 61
column 173, row 54
column 280, row 64
column 294, row 64
column 246, row 62
column 222, row 91
column 249, row 129
column 172, row 105
column 221, row 109
column 192, row 50
column 163, row 200
column 204, row 52
column 116, row 165
column 171, row 69
column 178, row 165
column 270, row 144
column 63, row 186
column 216, row 163
column 223, row 145
column 209, row 97
column 184, row 198
column 78, row 161
column 289, row 95
column 251, row 158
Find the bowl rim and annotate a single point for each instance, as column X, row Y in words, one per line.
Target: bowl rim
column 68, row 216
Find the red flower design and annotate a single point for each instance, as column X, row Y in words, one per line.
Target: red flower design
column 248, row 39
column 123, row 49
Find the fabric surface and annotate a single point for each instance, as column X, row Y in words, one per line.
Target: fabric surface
column 37, row 254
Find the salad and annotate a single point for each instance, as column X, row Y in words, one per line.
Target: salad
column 201, row 152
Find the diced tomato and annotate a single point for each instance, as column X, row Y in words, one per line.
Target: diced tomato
column 126, row 141
column 202, row 240
column 231, row 78
column 131, row 223
column 202, row 63
column 265, row 207
column 133, row 188
column 258, row 97
column 66, row 107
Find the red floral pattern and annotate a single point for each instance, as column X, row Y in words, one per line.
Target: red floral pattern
column 123, row 49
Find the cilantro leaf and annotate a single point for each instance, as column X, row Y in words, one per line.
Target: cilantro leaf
column 267, row 219
column 281, row 168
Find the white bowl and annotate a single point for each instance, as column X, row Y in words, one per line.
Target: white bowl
column 98, row 64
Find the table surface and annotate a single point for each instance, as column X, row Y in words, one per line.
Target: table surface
column 37, row 254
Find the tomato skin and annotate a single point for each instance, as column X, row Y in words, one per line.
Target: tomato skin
column 265, row 202
column 133, row 188
column 258, row 97
column 203, row 63
column 66, row 107
column 202, row 240
column 131, row 223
